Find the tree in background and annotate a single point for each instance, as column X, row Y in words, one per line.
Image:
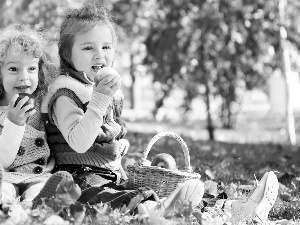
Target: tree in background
column 132, row 19
column 284, row 50
column 10, row 11
column 167, row 45
column 211, row 48
column 215, row 48
column 42, row 14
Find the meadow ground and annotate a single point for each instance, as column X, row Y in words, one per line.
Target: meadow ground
column 242, row 156
column 235, row 161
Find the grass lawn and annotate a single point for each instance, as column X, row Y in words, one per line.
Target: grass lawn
column 229, row 162
column 236, row 163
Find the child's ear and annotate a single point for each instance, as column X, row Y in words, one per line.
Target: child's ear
column 66, row 54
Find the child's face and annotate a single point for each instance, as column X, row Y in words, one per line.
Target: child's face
column 19, row 74
column 93, row 50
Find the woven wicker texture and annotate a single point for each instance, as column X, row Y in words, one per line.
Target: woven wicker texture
column 162, row 181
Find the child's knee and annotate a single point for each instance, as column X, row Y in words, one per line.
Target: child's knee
column 32, row 191
column 9, row 191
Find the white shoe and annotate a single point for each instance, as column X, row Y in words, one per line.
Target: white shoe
column 258, row 205
column 189, row 191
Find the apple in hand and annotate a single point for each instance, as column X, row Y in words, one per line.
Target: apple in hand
column 22, row 95
column 104, row 72
column 164, row 160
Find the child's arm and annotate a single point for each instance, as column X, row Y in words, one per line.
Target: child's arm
column 10, row 141
column 13, row 130
column 78, row 128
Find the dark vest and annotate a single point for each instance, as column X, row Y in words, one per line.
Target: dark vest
column 103, row 153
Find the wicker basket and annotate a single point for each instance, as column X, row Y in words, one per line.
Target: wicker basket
column 162, row 181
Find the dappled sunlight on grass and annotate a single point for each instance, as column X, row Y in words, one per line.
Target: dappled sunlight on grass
column 231, row 163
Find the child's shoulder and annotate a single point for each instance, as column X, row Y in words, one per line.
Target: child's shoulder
column 82, row 91
column 65, row 81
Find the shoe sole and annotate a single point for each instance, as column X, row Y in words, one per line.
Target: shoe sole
column 268, row 199
column 258, row 211
column 186, row 192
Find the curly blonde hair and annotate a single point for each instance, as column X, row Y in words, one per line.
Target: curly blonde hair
column 18, row 38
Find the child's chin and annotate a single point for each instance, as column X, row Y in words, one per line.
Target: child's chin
column 25, row 94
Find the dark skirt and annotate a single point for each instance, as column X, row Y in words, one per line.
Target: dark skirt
column 98, row 185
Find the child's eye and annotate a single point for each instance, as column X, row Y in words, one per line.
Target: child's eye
column 106, row 47
column 33, row 68
column 88, row 48
column 13, row 69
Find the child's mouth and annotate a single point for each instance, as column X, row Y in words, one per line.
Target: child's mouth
column 23, row 88
column 96, row 68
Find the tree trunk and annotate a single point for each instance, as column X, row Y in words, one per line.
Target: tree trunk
column 160, row 102
column 131, row 89
column 210, row 126
column 286, row 69
column 226, row 114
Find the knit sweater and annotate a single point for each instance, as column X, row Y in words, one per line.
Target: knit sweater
column 32, row 162
column 75, row 124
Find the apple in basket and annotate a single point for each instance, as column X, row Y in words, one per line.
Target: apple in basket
column 164, row 160
column 31, row 99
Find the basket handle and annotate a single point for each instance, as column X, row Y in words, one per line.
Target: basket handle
column 183, row 145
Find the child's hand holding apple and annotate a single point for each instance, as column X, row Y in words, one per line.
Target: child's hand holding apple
column 108, row 81
column 20, row 108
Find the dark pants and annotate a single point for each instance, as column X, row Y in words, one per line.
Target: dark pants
column 98, row 185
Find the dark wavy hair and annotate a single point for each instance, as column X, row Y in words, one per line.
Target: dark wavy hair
column 22, row 38
column 78, row 21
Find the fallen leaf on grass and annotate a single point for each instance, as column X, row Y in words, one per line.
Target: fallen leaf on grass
column 17, row 214
column 211, row 187
column 55, row 220
column 210, row 174
column 286, row 197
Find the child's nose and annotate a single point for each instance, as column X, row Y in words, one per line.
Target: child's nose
column 99, row 54
column 23, row 76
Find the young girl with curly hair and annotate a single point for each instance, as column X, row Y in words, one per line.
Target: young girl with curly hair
column 26, row 69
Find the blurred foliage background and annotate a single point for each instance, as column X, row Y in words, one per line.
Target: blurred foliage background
column 202, row 57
